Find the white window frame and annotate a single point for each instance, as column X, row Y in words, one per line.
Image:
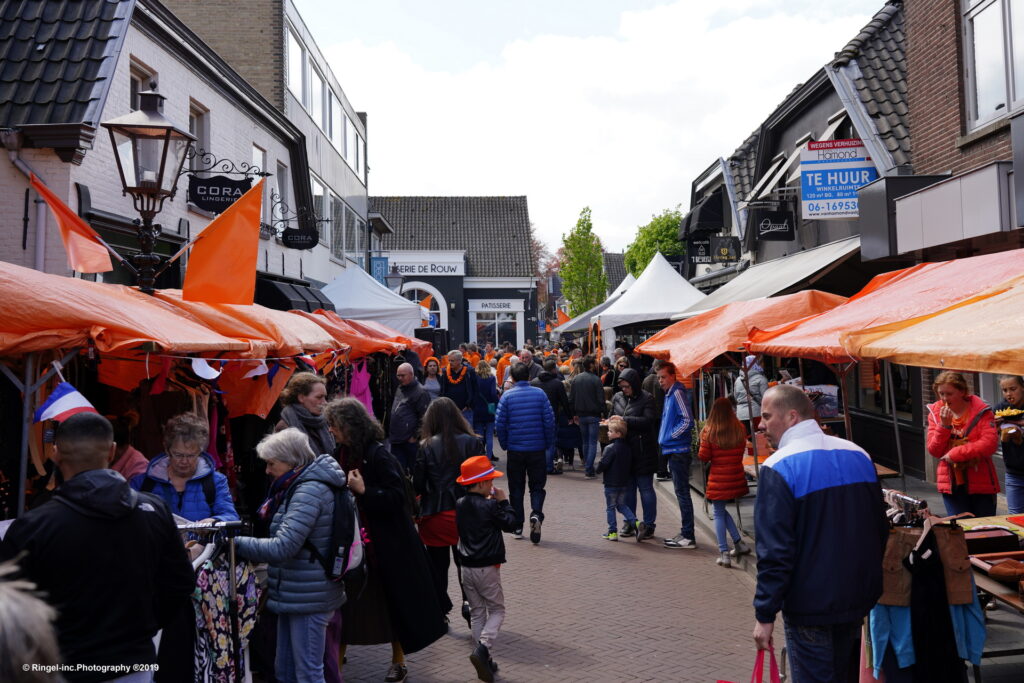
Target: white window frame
column 199, row 126
column 442, row 303
column 316, row 111
column 337, row 133
column 323, row 229
column 298, row 89
column 1012, row 101
column 140, row 77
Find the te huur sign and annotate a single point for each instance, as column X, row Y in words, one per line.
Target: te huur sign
column 216, row 194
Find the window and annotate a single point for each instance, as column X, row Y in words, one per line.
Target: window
column 873, row 390
column 993, row 58
column 316, row 97
column 429, row 302
column 337, row 228
column 337, row 124
column 199, row 126
column 142, row 79
column 320, row 207
column 351, row 140
column 259, row 160
column 361, row 159
column 281, row 188
column 296, row 66
column 353, row 246
column 496, row 328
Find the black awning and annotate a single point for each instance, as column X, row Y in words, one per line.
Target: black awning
column 707, row 215
column 286, row 296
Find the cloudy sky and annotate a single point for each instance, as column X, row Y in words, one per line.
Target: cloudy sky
column 573, row 103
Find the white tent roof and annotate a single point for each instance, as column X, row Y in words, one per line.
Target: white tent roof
column 357, row 296
column 626, row 283
column 582, row 321
column 658, row 294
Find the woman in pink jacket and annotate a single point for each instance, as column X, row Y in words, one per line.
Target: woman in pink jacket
column 962, row 435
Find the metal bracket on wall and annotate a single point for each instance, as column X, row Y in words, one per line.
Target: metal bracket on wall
column 206, row 162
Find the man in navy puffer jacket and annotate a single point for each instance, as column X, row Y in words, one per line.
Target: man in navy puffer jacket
column 525, row 426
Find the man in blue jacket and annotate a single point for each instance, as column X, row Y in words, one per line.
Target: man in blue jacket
column 821, row 533
column 525, row 426
column 674, row 439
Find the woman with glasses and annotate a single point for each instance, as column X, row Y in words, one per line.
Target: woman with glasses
column 184, row 475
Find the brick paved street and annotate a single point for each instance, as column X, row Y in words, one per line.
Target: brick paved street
column 583, row 609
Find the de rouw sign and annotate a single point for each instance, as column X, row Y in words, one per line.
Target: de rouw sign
column 217, row 193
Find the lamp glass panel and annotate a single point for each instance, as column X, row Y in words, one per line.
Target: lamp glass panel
column 125, row 151
column 176, row 152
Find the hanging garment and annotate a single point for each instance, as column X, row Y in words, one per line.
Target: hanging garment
column 360, row 388
column 891, row 626
column 213, row 653
column 930, row 618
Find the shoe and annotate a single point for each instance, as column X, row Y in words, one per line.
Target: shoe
column 467, row 615
column 610, row 536
column 648, row 532
column 664, row 476
column 535, row 528
column 723, row 560
column 481, row 659
column 518, row 533
column 397, row 673
column 628, row 530
column 680, row 542
column 740, row 548
column 590, row 475
column 641, row 531
column 494, row 665
column 559, row 466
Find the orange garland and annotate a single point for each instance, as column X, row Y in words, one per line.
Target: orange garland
column 448, row 371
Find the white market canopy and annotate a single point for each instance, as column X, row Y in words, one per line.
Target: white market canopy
column 582, row 321
column 357, row 296
column 626, row 283
column 658, row 294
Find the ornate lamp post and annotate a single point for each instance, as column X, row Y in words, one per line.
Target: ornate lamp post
column 395, row 279
column 150, row 151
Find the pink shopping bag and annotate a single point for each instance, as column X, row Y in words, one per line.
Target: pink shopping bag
column 758, row 675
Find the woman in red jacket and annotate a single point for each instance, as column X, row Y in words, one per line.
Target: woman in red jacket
column 722, row 443
column 962, row 435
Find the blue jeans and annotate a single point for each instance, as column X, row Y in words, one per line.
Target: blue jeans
column 648, row 498
column 520, row 465
column 1015, row 493
column 821, row 654
column 588, row 431
column 615, row 499
column 724, row 523
column 549, row 458
column 486, row 432
column 981, row 504
column 300, row 647
column 679, row 465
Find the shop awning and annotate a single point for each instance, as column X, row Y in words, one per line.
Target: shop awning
column 891, row 297
column 982, row 334
column 39, row 311
column 706, row 215
column 287, row 296
column 691, row 344
column 771, row 277
column 357, row 296
column 420, row 347
column 360, row 343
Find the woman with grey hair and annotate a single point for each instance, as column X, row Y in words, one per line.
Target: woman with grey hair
column 300, row 506
column 27, row 636
column 184, row 475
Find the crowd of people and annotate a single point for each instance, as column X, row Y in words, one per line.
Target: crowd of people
column 424, row 492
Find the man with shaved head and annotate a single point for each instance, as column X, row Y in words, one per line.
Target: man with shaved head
column 407, row 410
column 821, row 532
column 108, row 559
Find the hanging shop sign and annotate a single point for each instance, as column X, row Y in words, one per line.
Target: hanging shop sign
column 772, row 226
column 217, row 193
column 300, row 238
column 699, row 250
column 379, row 269
column 831, row 172
column 725, row 249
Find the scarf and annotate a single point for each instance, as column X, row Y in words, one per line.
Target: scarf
column 277, row 492
column 314, row 426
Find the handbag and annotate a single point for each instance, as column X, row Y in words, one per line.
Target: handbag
column 758, row 675
column 492, row 408
column 959, row 469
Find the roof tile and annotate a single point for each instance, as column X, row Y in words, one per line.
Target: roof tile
column 614, row 269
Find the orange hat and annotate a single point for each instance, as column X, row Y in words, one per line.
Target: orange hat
column 477, row 469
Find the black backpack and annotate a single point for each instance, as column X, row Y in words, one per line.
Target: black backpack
column 346, row 557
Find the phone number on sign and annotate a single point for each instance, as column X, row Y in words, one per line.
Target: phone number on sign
column 816, row 207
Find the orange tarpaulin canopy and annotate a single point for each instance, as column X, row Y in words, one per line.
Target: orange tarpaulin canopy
column 693, row 343
column 423, row 349
column 982, row 334
column 39, row 311
column 361, row 344
column 888, row 298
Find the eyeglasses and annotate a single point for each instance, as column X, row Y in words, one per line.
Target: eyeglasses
column 184, row 456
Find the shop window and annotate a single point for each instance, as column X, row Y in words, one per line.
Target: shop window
column 495, row 328
column 296, row 66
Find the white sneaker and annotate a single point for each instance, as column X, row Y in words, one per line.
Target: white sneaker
column 723, row 560
column 680, row 542
column 739, row 548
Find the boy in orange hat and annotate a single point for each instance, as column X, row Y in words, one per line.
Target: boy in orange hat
column 481, row 516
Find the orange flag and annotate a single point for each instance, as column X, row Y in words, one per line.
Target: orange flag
column 86, row 251
column 562, row 317
column 426, row 301
column 222, row 265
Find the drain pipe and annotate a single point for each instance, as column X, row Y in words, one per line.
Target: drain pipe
column 12, row 141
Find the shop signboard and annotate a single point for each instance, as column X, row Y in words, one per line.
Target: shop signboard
column 699, row 250
column 772, row 226
column 831, row 172
column 300, row 238
column 379, row 269
column 217, row 193
column 725, row 249
column 496, row 305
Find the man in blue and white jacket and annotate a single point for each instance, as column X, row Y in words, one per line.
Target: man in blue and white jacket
column 525, row 426
column 821, row 533
column 674, row 439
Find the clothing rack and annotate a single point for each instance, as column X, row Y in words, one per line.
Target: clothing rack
column 225, row 532
column 904, row 509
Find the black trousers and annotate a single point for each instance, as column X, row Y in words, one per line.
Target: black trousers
column 523, row 465
column 439, row 560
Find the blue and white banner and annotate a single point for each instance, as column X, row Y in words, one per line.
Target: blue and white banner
column 831, row 172
column 64, row 402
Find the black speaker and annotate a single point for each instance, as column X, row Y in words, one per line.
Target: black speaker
column 436, row 336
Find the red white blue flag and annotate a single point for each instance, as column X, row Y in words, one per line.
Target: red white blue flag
column 64, row 402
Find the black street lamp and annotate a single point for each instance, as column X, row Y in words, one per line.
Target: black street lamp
column 150, row 152
column 395, row 279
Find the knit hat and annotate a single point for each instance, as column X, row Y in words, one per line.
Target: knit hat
column 477, row 469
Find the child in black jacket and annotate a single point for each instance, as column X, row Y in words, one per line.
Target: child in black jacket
column 617, row 466
column 481, row 516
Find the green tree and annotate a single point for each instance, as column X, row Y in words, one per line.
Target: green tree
column 661, row 234
column 583, row 281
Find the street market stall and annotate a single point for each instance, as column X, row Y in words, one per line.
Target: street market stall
column 356, row 295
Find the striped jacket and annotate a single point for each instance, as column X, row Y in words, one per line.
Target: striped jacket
column 821, row 530
column 676, row 421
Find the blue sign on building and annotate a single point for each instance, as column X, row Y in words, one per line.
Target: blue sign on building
column 379, row 269
column 831, row 172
